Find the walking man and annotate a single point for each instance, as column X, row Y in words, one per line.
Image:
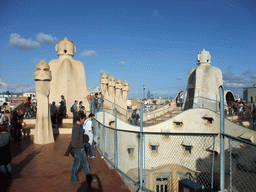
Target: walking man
column 80, row 155
column 88, row 130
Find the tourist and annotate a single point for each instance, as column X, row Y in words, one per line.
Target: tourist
column 7, row 117
column 62, row 109
column 63, row 105
column 235, row 107
column 28, row 108
column 82, row 110
column 137, row 116
column 80, row 105
column 6, row 158
column 180, row 99
column 2, row 118
column 79, row 153
column 33, row 99
column 74, row 110
column 241, row 108
column 53, row 112
column 6, row 107
column 101, row 100
column 134, row 117
column 17, row 124
column 95, row 102
column 88, row 130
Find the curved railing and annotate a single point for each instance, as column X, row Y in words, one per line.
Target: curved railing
column 163, row 114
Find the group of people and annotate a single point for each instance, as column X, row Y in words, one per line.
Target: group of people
column 77, row 109
column 238, row 107
column 58, row 115
column 13, row 122
column 136, row 116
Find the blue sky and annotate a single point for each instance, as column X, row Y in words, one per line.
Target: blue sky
column 152, row 43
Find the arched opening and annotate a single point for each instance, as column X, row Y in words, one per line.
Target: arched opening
column 230, row 98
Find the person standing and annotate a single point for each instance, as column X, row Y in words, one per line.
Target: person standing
column 95, row 102
column 17, row 124
column 63, row 106
column 80, row 105
column 88, row 130
column 28, row 108
column 75, row 111
column 138, row 116
column 79, row 153
column 53, row 111
column 134, row 117
column 6, row 158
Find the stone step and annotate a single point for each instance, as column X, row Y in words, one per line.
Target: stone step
column 63, row 129
column 33, row 121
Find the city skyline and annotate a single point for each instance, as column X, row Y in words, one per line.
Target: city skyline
column 145, row 43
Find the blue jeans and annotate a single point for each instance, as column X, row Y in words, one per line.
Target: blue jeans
column 5, row 168
column 74, row 117
column 91, row 150
column 29, row 112
column 80, row 157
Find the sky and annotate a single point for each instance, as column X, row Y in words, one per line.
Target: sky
column 151, row 43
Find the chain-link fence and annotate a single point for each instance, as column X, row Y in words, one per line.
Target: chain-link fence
column 242, row 165
column 167, row 157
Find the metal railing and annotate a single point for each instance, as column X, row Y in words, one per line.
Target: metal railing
column 156, row 161
column 157, row 116
column 241, row 159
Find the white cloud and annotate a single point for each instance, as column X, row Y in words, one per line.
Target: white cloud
column 104, row 71
column 46, row 39
column 236, row 82
column 122, row 63
column 179, row 78
column 88, row 54
column 16, row 41
column 16, row 88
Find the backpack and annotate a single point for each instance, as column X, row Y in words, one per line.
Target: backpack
column 72, row 108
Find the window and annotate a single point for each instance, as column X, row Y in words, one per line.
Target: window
column 154, row 148
column 178, row 124
column 130, row 151
column 161, row 184
column 208, row 120
column 187, row 149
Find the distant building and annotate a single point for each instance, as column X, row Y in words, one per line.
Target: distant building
column 28, row 94
column 249, row 94
column 18, row 99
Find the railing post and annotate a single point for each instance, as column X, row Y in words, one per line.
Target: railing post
column 96, row 126
column 213, row 153
column 116, row 149
column 222, row 140
column 141, row 149
column 230, row 166
column 103, row 135
column 101, row 102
